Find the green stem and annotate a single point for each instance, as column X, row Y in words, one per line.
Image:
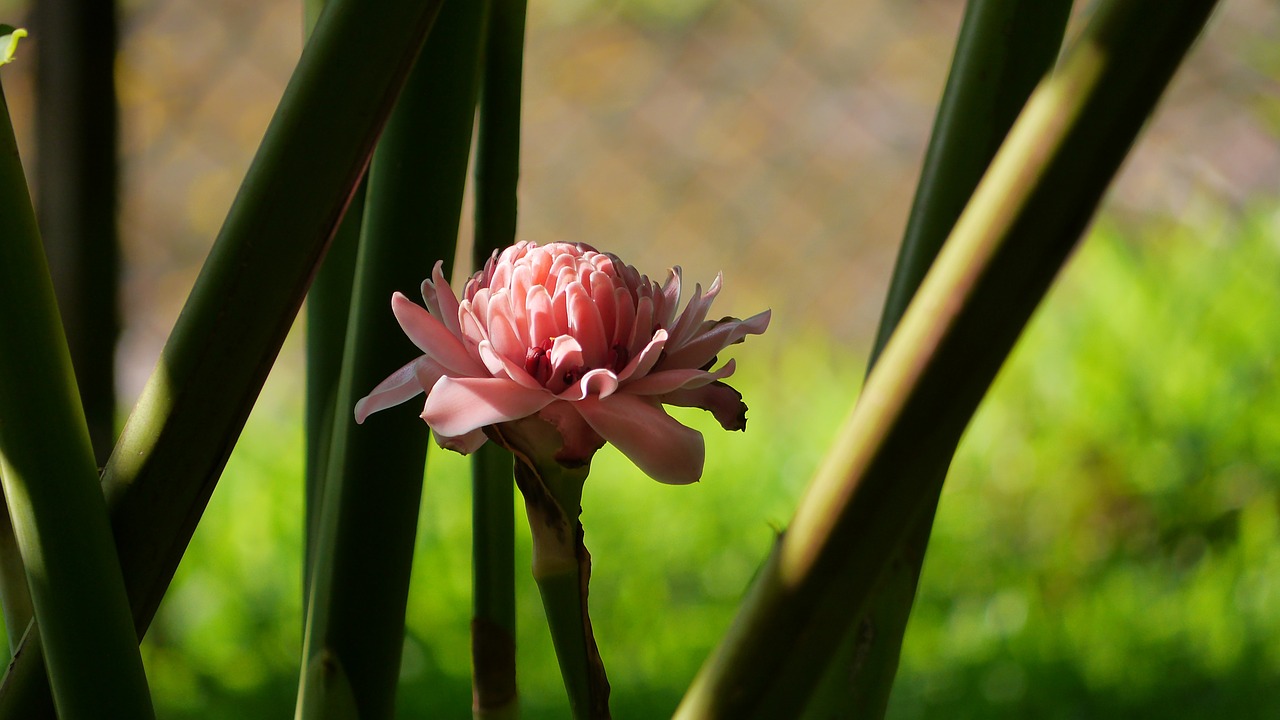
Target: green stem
column 15, row 597
column 1022, row 223
column 493, row 647
column 561, row 563
column 364, row 548
column 493, row 608
column 177, row 440
column 1004, row 48
column 328, row 304
column 76, row 121
column 50, row 480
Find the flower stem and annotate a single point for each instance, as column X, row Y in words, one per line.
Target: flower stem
column 561, row 563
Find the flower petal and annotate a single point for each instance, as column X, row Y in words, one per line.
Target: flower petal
column 705, row 345
column 585, row 325
column 464, row 444
column 457, row 406
column 722, row 401
column 433, row 338
column 643, row 362
column 502, row 327
column 542, row 318
column 663, row 448
column 665, row 304
column 500, row 366
column 440, row 298
column 690, row 321
column 599, row 382
column 403, row 384
column 580, row 441
column 682, row 379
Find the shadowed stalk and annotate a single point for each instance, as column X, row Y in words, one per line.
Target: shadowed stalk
column 76, row 192
column 177, row 440
column 561, row 563
column 328, row 303
column 15, row 598
column 50, row 478
column 1010, row 242
column 494, row 694
column 373, row 485
column 493, row 621
column 1004, row 48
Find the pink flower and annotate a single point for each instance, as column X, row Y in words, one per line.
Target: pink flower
column 578, row 338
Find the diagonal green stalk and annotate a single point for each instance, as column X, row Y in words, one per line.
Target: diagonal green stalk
column 1017, row 231
column 1004, row 48
column 561, row 564
column 50, row 479
column 493, row 621
column 373, row 485
column 176, row 442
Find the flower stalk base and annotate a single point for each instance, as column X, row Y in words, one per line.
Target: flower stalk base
column 561, row 564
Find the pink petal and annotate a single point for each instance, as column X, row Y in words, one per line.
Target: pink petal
column 670, row 380
column 642, row 332
column 663, row 448
column 501, row 366
column 704, row 346
column 457, row 406
column 603, row 299
column 403, row 384
column 665, row 304
column 599, row 382
column 691, row 319
column 642, row 363
column 433, row 338
column 722, row 401
column 585, row 325
column 542, row 318
column 565, row 356
column 501, row 326
column 580, row 441
column 464, row 444
column 625, row 318
column 440, row 298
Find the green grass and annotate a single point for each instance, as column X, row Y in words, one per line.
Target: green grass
column 1108, row 543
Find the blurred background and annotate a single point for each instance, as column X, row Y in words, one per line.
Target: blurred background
column 1108, row 543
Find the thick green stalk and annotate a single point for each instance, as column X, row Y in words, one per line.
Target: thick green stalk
column 493, row 619
column 1013, row 237
column 561, row 564
column 1004, row 48
column 50, row 480
column 177, row 440
column 14, row 594
column 494, row 694
column 373, row 485
column 76, row 192
column 328, row 304
column 15, row 598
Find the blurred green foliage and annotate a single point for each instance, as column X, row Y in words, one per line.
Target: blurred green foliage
column 1108, row 543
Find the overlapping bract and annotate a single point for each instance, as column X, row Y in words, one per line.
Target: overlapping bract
column 578, row 338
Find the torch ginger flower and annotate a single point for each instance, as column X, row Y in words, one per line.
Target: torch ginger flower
column 578, row 338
